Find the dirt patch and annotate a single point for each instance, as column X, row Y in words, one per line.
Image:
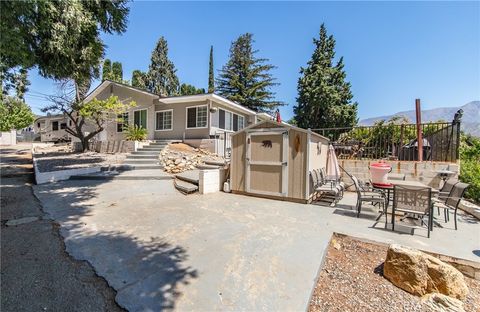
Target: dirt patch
column 37, row 274
column 352, row 280
column 62, row 157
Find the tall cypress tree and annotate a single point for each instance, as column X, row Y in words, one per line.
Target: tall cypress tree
column 211, row 78
column 247, row 79
column 106, row 69
column 117, row 72
column 324, row 96
column 161, row 76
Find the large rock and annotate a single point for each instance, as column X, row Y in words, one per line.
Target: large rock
column 440, row 303
column 421, row 274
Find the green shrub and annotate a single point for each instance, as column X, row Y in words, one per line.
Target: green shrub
column 135, row 133
column 470, row 166
column 470, row 173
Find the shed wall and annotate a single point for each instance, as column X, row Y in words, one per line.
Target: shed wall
column 297, row 163
column 238, row 162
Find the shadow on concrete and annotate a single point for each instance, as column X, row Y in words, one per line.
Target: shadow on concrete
column 145, row 273
column 476, row 252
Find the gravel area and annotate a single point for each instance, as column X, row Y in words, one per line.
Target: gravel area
column 53, row 158
column 352, row 280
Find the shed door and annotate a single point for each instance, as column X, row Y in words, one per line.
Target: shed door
column 266, row 170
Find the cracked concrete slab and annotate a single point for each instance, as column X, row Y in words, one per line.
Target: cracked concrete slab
column 161, row 250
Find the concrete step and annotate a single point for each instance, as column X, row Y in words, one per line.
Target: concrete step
column 204, row 166
column 145, row 167
column 191, row 176
column 157, row 144
column 140, row 152
column 150, row 148
column 214, row 162
column 185, row 187
column 140, row 156
column 154, row 174
column 141, row 161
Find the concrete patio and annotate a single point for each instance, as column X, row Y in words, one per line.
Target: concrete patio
column 163, row 250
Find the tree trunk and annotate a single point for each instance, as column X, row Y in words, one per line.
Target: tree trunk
column 84, row 142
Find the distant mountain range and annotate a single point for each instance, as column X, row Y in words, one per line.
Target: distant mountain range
column 470, row 119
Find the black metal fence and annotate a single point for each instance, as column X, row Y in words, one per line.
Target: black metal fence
column 396, row 142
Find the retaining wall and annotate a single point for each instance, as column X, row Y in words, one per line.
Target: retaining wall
column 424, row 172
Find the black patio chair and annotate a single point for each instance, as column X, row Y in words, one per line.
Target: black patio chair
column 453, row 201
column 443, row 194
column 367, row 196
column 414, row 201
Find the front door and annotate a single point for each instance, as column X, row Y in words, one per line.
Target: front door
column 267, row 155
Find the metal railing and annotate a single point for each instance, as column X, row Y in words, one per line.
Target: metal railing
column 396, row 141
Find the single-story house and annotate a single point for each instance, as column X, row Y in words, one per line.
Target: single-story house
column 195, row 119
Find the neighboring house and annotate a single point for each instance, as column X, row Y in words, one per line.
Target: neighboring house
column 199, row 120
column 52, row 128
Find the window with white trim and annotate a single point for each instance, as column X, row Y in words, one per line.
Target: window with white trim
column 122, row 121
column 140, row 118
column 164, row 120
column 197, row 116
column 229, row 121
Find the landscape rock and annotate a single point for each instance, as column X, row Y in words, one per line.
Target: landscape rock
column 436, row 302
column 421, row 274
column 179, row 157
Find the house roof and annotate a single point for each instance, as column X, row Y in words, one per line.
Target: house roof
column 106, row 83
column 170, row 99
column 281, row 125
column 207, row 96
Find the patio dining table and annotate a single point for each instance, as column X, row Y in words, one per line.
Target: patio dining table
column 389, row 188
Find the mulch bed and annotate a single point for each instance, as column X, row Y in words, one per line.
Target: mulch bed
column 352, row 280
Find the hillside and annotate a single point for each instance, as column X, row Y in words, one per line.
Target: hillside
column 470, row 119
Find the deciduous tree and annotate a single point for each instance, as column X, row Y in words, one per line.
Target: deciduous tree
column 96, row 113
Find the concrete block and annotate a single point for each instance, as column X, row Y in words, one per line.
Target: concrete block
column 209, row 181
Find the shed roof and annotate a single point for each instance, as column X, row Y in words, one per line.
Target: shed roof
column 280, row 125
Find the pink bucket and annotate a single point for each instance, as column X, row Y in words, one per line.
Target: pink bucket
column 379, row 172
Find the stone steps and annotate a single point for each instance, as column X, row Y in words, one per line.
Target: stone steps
column 185, row 187
column 154, row 161
column 191, row 176
column 143, row 156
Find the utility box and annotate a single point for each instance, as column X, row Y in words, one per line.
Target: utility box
column 273, row 160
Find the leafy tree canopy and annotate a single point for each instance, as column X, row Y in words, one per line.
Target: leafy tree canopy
column 139, row 79
column 62, row 38
column 246, row 79
column 186, row 89
column 112, row 71
column 161, row 77
column 324, row 96
column 14, row 114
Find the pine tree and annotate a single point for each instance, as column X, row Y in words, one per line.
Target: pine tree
column 324, row 96
column 247, row 79
column 117, row 72
column 138, row 79
column 106, row 69
column 211, row 78
column 161, row 77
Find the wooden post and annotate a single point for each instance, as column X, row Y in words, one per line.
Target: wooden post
column 418, row 111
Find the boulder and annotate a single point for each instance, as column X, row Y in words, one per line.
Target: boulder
column 436, row 302
column 421, row 274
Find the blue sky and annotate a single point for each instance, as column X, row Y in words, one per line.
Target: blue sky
column 394, row 52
